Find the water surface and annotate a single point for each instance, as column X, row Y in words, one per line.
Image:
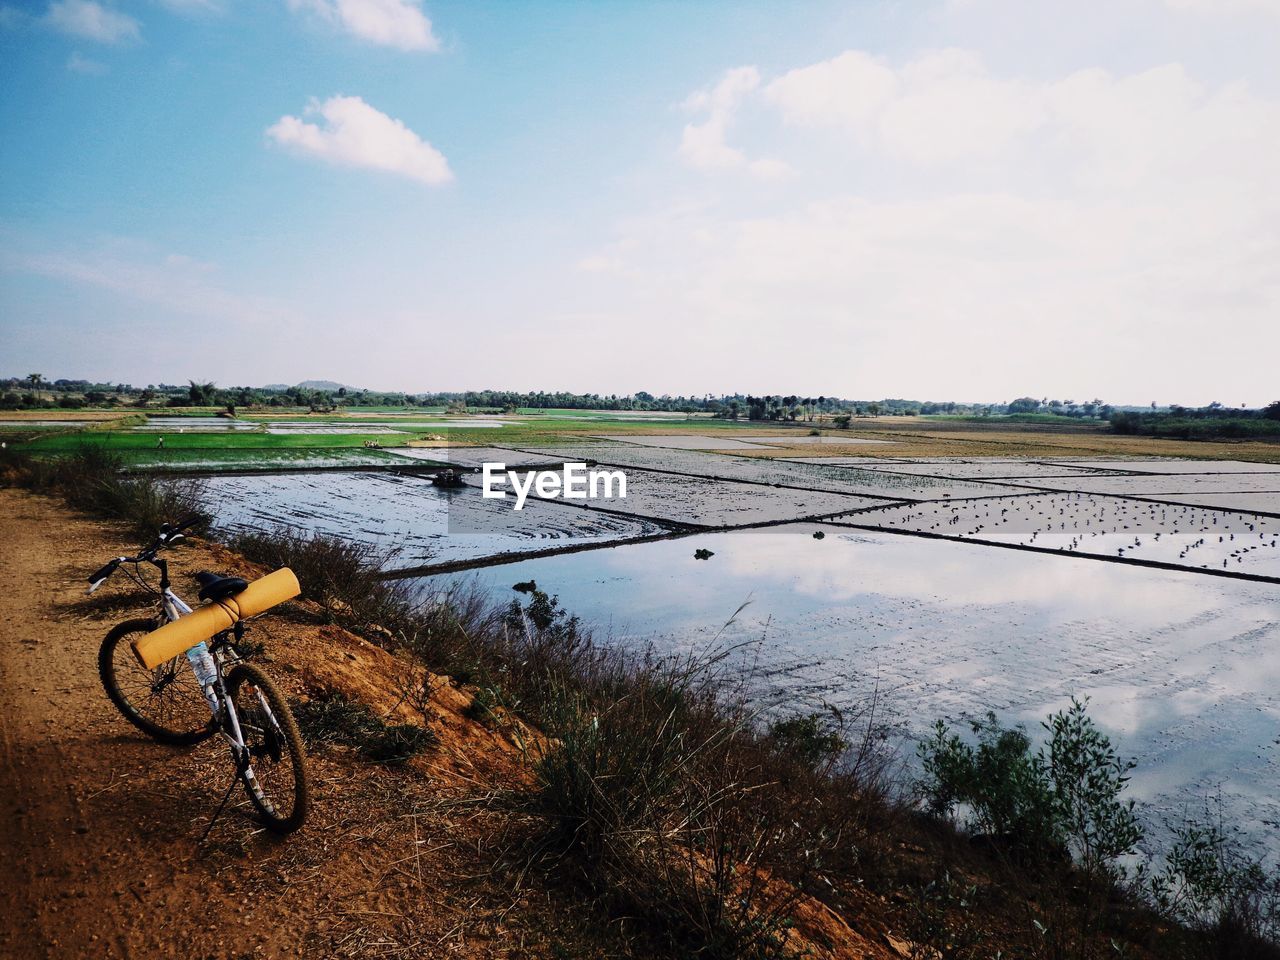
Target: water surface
column 1182, row 669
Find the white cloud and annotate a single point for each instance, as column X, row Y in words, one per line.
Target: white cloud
column 392, row 23
column 848, row 90
column 938, row 108
column 176, row 284
column 80, row 64
column 703, row 145
column 959, row 233
column 598, row 263
column 353, row 134
column 92, row 21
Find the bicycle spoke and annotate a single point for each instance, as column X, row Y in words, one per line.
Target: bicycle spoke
column 165, row 701
column 271, row 769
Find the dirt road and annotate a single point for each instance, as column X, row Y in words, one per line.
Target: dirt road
column 96, row 831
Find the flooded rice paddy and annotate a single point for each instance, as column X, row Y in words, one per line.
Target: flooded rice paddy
column 194, row 425
column 689, row 441
column 407, row 519
column 1182, row 670
column 800, row 473
column 1102, row 527
column 1182, row 666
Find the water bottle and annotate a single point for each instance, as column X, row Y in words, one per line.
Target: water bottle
column 206, row 673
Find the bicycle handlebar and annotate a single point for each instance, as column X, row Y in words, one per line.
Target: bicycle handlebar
column 105, row 572
column 168, row 535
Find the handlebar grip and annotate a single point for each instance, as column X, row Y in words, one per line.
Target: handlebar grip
column 105, row 572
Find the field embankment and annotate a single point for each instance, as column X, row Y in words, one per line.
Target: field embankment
column 100, row 825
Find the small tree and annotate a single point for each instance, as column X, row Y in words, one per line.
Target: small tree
column 1088, row 777
column 1065, row 796
column 200, row 394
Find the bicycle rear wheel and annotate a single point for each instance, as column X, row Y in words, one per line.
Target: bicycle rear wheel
column 165, row 703
column 278, row 789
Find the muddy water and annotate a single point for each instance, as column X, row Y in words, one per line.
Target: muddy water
column 405, row 518
column 1183, row 670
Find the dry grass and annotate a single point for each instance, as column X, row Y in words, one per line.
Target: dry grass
column 93, row 480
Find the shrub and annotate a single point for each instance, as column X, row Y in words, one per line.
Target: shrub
column 342, row 576
column 1087, row 777
column 93, row 479
column 1000, row 781
column 1210, row 884
column 1048, row 810
column 1064, row 797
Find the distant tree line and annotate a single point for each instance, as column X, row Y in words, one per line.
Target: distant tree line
column 35, row 392
column 1060, row 408
column 1200, row 423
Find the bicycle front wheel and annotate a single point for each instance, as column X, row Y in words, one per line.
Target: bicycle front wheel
column 277, row 785
column 165, row 703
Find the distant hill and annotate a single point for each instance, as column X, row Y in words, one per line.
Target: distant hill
column 330, row 385
column 324, row 385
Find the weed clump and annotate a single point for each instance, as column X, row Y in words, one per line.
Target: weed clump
column 342, row 576
column 94, row 480
column 813, row 739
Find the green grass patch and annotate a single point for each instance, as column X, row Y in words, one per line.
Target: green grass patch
column 218, row 460
column 124, row 442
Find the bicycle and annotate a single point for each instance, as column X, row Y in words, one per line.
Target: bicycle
column 214, row 692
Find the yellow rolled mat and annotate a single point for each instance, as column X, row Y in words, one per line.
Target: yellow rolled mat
column 183, row 634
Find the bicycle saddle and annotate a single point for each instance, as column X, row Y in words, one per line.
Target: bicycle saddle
column 214, row 587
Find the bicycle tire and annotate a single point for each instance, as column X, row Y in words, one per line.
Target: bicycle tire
column 275, row 775
column 164, row 703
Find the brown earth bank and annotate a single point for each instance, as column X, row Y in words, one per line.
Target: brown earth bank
column 100, row 849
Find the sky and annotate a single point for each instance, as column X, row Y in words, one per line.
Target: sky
column 965, row 200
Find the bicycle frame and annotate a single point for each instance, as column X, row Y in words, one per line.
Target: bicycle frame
column 175, row 607
column 243, row 716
